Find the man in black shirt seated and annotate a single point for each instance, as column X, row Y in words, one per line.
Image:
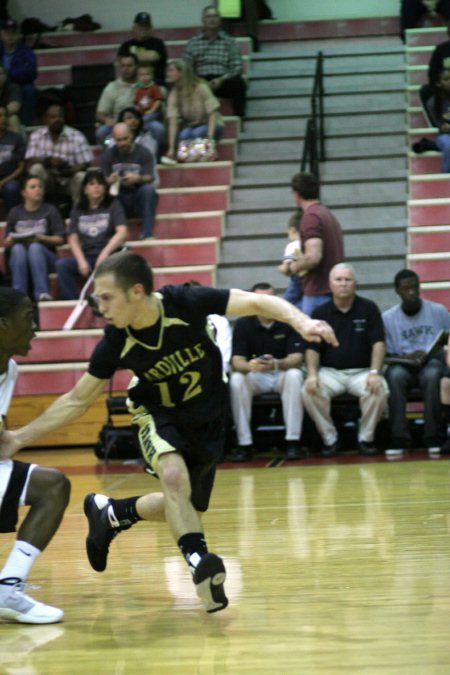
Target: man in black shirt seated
column 353, row 367
column 266, row 357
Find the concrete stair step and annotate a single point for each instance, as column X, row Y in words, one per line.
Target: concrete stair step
column 392, row 191
column 412, row 96
column 430, row 266
column 338, row 85
column 416, row 75
column 417, row 134
column 334, row 65
column 178, row 252
column 335, row 125
column 424, row 212
column 53, row 315
column 58, row 378
column 60, row 346
column 428, row 239
column 269, row 249
column 344, row 147
column 429, row 162
column 361, row 219
column 210, row 198
column 419, row 37
column 330, row 171
column 416, row 118
column 192, row 175
column 296, row 104
column 419, row 56
column 429, row 186
column 437, row 292
column 332, row 47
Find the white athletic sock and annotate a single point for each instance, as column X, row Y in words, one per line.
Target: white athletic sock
column 20, row 561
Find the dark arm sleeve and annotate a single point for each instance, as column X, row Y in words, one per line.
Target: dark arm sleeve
column 240, row 346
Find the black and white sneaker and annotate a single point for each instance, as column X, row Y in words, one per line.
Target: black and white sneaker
column 103, row 527
column 209, row 577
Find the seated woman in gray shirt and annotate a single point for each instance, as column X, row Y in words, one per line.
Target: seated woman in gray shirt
column 34, row 230
column 97, row 228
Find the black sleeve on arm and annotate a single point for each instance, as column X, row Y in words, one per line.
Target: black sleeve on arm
column 103, row 362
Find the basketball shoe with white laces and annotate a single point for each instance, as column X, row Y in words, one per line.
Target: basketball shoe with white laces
column 15, row 605
column 209, row 577
column 103, row 527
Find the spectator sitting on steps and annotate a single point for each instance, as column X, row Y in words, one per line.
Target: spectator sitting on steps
column 34, row 230
column 58, row 155
column 97, row 228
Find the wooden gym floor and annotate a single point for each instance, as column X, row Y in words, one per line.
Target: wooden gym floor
column 333, row 568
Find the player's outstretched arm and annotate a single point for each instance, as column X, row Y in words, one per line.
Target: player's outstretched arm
column 244, row 303
column 62, row 411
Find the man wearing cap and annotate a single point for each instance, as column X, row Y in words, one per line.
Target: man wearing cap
column 146, row 47
column 21, row 65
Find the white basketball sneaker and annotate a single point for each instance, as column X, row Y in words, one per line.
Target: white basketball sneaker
column 15, row 605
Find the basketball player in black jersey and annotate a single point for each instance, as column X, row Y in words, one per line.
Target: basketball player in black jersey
column 177, row 399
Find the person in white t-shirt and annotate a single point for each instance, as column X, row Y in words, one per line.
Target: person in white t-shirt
column 411, row 326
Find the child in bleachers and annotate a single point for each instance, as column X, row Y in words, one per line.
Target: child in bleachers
column 148, row 100
column 294, row 290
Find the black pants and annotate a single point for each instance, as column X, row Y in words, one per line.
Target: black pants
column 234, row 88
column 402, row 378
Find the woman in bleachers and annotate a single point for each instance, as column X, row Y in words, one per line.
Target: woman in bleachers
column 97, row 228
column 34, row 230
column 192, row 108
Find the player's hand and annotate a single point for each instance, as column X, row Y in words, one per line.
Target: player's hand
column 315, row 330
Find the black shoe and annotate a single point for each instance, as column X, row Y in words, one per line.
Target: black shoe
column 243, row 453
column 209, row 577
column 368, row 449
column 103, row 527
column 294, row 451
column 329, row 450
column 424, row 145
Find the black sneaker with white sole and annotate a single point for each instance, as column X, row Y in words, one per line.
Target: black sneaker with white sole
column 103, row 527
column 209, row 577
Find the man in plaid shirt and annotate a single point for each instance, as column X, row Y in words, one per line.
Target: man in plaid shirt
column 58, row 155
column 215, row 57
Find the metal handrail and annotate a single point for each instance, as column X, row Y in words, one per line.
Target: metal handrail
column 314, row 145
